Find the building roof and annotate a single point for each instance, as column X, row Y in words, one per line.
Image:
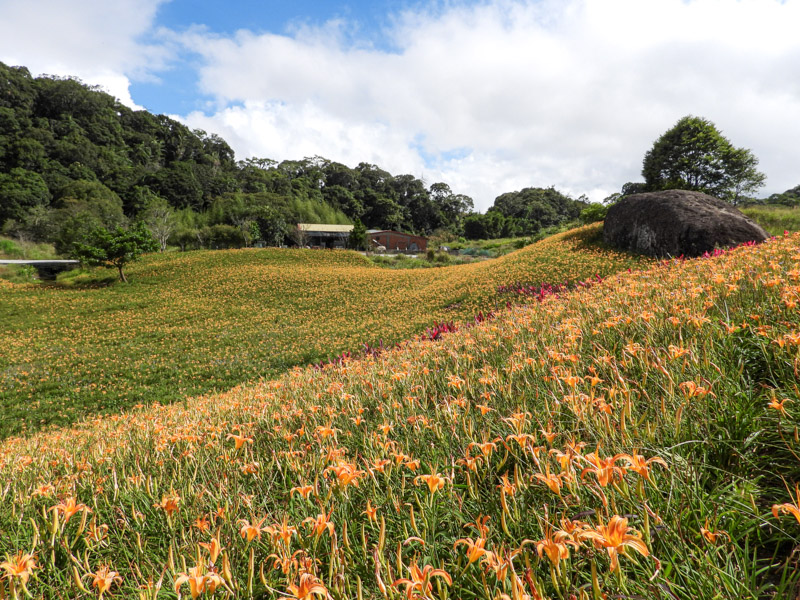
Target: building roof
column 325, row 228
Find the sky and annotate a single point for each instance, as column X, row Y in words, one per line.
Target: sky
column 488, row 96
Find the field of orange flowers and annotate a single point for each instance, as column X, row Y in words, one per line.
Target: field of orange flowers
column 200, row 322
column 635, row 439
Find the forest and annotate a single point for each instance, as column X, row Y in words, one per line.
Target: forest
column 73, row 159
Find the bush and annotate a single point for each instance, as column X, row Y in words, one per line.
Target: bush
column 19, row 273
column 10, row 248
column 17, row 250
column 442, row 258
column 593, row 213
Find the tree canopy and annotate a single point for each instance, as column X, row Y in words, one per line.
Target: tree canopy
column 74, row 160
column 71, row 150
column 525, row 212
column 694, row 155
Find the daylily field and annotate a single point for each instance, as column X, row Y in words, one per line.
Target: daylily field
column 201, row 322
column 632, row 438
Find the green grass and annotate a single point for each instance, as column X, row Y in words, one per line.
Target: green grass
column 201, row 322
column 422, row 261
column 775, row 219
column 18, row 250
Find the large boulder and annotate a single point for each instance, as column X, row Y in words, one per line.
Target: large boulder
column 677, row 222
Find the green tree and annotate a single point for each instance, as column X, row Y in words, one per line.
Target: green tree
column 21, row 190
column 694, row 155
column 115, row 249
column 160, row 219
column 594, row 212
column 358, row 236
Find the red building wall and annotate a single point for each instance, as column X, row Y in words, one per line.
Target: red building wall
column 395, row 240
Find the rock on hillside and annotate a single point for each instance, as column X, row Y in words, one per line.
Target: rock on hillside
column 677, row 222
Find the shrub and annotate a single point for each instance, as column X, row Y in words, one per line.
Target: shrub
column 593, row 213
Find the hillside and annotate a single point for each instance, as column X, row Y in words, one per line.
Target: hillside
column 73, row 158
column 193, row 323
column 636, row 439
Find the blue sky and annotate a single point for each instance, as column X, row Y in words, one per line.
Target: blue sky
column 175, row 91
column 488, row 96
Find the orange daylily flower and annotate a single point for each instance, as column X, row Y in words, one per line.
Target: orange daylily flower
column 486, row 448
column 202, row 523
column 779, row 405
column 435, row 482
column 303, row 490
column 239, row 440
column 603, row 468
column 550, row 480
column 282, row 531
column 199, row 582
column 507, row 488
column 320, row 524
column 169, row 503
column 380, row 464
column 418, row 584
column 103, row 578
column 346, row 474
column 481, row 525
column 70, row 507
column 792, row 509
column 712, row 536
column 641, row 466
column 615, row 537
column 371, row 511
column 308, row 586
column 213, row 547
column 475, row 548
column 549, row 434
column 554, row 545
column 19, row 567
column 251, row 530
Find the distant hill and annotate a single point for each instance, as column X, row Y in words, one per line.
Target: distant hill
column 790, row 197
column 525, row 212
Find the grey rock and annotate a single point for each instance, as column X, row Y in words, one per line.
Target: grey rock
column 677, row 222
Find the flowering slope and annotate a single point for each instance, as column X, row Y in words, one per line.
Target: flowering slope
column 206, row 321
column 635, row 439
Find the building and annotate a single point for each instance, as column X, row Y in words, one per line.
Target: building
column 396, row 240
column 319, row 235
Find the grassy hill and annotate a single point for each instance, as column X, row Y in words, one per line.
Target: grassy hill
column 637, row 439
column 199, row 322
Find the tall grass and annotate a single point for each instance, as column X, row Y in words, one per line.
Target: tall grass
column 775, row 219
column 11, row 249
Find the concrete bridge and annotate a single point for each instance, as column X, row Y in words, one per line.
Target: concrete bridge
column 47, row 269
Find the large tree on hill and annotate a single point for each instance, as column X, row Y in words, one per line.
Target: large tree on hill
column 694, row 155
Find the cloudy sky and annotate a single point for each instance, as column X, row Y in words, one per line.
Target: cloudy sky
column 489, row 96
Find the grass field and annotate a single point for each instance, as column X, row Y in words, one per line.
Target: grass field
column 200, row 322
column 775, row 219
column 636, row 439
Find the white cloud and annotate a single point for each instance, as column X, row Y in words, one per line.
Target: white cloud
column 569, row 94
column 489, row 97
column 95, row 40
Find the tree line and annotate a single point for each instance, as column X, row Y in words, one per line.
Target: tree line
column 73, row 159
